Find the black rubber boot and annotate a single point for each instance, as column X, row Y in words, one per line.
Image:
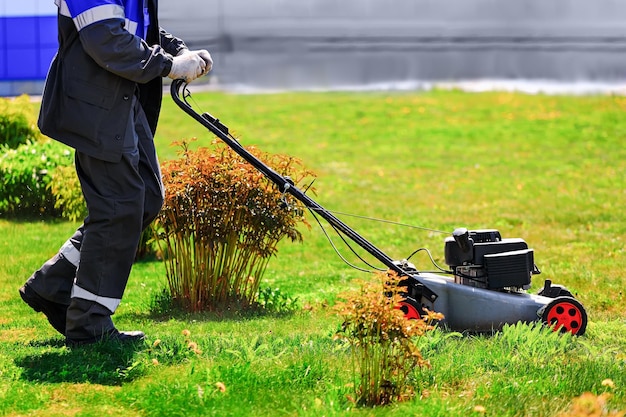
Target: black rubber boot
column 114, row 335
column 89, row 322
column 55, row 313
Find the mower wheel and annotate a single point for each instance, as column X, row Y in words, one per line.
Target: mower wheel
column 410, row 308
column 565, row 314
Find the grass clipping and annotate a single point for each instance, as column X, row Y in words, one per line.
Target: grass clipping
column 221, row 222
column 382, row 341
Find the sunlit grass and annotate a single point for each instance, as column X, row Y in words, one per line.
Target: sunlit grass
column 547, row 169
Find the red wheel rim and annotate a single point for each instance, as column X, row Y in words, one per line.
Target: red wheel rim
column 565, row 317
column 410, row 312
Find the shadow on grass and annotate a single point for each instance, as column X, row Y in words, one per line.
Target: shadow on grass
column 108, row 363
column 225, row 315
column 163, row 308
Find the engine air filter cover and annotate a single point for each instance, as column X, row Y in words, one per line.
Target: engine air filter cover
column 509, row 269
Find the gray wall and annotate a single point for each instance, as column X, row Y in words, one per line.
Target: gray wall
column 324, row 43
column 338, row 43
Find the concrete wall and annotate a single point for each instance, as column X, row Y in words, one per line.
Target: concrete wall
column 329, row 43
column 334, row 43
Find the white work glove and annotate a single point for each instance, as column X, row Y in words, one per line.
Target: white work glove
column 206, row 57
column 188, row 66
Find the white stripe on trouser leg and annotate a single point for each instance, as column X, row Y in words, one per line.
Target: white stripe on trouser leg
column 70, row 253
column 110, row 303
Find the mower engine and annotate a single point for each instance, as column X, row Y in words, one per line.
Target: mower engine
column 482, row 259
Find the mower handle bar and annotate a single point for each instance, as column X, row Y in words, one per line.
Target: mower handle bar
column 285, row 185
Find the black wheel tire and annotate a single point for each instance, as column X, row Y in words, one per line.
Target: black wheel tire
column 565, row 314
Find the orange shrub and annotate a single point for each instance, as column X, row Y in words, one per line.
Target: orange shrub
column 221, row 222
column 382, row 341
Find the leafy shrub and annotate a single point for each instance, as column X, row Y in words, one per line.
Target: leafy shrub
column 37, row 175
column 221, row 223
column 68, row 196
column 25, row 178
column 382, row 341
column 17, row 122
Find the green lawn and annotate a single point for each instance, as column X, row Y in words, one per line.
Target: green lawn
column 550, row 170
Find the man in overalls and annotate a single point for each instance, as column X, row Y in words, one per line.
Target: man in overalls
column 102, row 97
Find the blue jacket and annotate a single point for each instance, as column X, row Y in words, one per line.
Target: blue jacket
column 108, row 51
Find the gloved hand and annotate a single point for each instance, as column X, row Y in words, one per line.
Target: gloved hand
column 188, row 66
column 202, row 53
column 206, row 57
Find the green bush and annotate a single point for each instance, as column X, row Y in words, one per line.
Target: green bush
column 25, row 175
column 68, row 196
column 36, row 177
column 17, row 122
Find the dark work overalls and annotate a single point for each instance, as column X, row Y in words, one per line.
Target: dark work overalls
column 102, row 97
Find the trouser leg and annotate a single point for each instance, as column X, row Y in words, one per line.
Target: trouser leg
column 54, row 280
column 114, row 195
column 122, row 199
column 48, row 290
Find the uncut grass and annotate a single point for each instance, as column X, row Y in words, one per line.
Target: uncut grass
column 547, row 169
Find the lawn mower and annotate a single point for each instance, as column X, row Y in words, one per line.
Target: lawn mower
column 486, row 282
